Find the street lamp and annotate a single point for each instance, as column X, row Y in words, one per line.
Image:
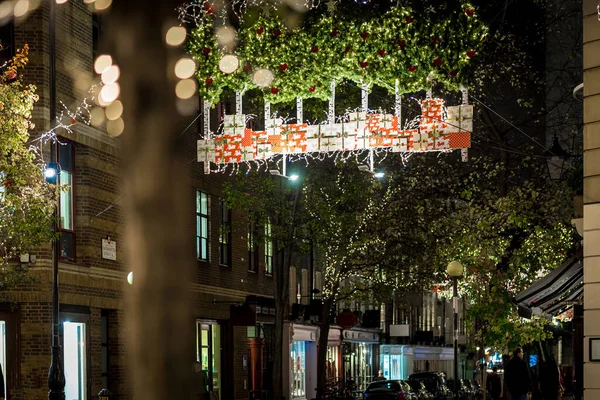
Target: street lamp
column 455, row 271
column 556, row 159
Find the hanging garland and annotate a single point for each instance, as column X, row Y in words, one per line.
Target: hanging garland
column 400, row 45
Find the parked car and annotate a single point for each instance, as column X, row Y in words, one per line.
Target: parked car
column 389, row 390
column 465, row 392
column 435, row 382
column 420, row 390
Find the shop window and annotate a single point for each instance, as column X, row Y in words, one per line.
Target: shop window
column 268, row 249
column 202, row 225
column 225, row 235
column 252, row 245
column 105, row 350
column 358, row 364
column 332, row 362
column 299, row 369
column 3, row 357
column 66, row 224
column 208, row 353
column 74, row 348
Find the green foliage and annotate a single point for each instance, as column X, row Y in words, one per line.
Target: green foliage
column 400, row 45
column 26, row 209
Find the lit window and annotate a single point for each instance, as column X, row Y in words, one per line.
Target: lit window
column 225, row 235
column 202, row 207
column 66, row 159
column 268, row 249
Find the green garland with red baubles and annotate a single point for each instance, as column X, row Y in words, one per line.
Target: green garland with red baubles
column 399, row 48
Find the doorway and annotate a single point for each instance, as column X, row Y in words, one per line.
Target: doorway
column 74, row 348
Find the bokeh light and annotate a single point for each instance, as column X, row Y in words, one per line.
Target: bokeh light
column 97, row 116
column 262, row 77
column 176, row 35
column 102, row 5
column 229, row 64
column 102, row 62
column 115, row 128
column 21, row 8
column 110, row 92
column 225, row 36
column 185, row 88
column 185, row 68
column 114, row 110
column 110, row 74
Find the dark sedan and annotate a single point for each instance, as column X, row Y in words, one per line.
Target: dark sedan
column 420, row 390
column 435, row 382
column 388, row 390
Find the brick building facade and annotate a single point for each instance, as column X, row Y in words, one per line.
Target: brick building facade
column 91, row 287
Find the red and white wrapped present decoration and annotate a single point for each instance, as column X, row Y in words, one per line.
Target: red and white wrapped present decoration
column 362, row 131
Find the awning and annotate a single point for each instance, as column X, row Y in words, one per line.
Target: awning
column 554, row 292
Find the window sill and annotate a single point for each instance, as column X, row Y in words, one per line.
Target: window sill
column 251, row 272
column 224, row 265
column 200, row 260
column 269, row 275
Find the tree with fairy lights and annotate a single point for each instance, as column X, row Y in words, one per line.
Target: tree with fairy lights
column 26, row 209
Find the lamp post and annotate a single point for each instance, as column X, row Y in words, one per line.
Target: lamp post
column 455, row 271
column 556, row 159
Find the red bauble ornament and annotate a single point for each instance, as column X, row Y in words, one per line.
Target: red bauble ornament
column 471, row 53
column 208, row 81
column 364, row 35
column 409, row 20
column 412, row 68
column 436, row 40
column 260, row 30
column 470, row 12
column 315, row 49
column 312, row 89
column 401, row 43
column 346, row 320
column 437, row 62
column 8, row 184
column 248, row 67
column 364, row 64
column 335, row 32
column 73, row 121
column 283, row 66
column 206, row 51
column 276, row 32
column 11, row 75
column 347, row 50
column 209, row 8
column 452, row 73
column 274, row 90
column 381, row 52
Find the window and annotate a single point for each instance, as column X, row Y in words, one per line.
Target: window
column 298, row 356
column 74, row 348
column 66, row 224
column 202, row 226
column 208, row 353
column 7, row 45
column 96, row 34
column 252, row 245
column 225, row 235
column 105, row 349
column 268, row 249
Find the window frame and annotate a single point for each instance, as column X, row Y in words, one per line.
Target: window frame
column 199, row 237
column 225, row 234
column 268, row 243
column 72, row 171
column 253, row 247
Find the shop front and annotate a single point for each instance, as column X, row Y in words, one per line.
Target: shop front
column 399, row 361
column 303, row 361
column 334, row 355
column 360, row 357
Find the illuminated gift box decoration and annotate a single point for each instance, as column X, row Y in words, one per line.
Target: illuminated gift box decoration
column 435, row 132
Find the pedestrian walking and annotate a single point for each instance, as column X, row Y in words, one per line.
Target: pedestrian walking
column 516, row 375
column 380, row 376
column 494, row 384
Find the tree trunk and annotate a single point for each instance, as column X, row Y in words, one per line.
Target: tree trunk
column 282, row 282
column 157, row 203
column 322, row 349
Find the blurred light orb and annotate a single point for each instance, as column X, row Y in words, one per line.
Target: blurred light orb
column 97, row 116
column 110, row 92
column 229, row 64
column 185, row 68
column 21, row 8
column 263, row 77
column 102, row 5
column 114, row 110
column 61, row 1
column 115, row 128
column 225, row 36
column 185, row 88
column 102, row 62
column 130, row 278
column 176, row 35
column 6, row 10
column 111, row 74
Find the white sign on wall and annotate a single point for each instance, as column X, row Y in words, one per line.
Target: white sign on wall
column 109, row 249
